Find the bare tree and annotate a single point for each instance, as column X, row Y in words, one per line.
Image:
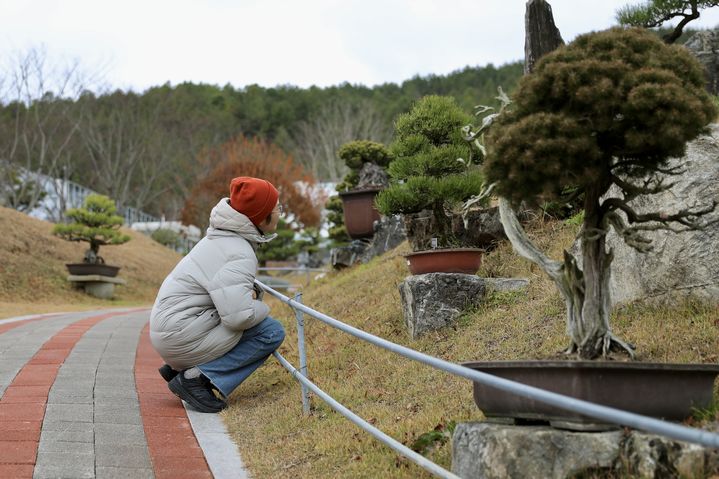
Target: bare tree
column 39, row 120
column 318, row 139
column 126, row 149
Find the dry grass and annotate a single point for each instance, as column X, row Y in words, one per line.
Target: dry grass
column 406, row 399
column 32, row 268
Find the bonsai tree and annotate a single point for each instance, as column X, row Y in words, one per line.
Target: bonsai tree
column 432, row 167
column 363, row 158
column 606, row 111
column 654, row 13
column 95, row 223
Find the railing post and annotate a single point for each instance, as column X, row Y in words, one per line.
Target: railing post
column 299, row 316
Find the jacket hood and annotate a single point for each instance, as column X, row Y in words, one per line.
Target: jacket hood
column 226, row 221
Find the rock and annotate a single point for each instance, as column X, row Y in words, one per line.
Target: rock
column 434, row 300
column 349, row 255
column 656, row 456
column 484, row 228
column 541, row 35
column 388, row 234
column 681, row 264
column 372, row 175
column 705, row 46
column 485, row 450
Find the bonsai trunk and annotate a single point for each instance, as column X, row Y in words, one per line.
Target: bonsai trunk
column 92, row 255
column 586, row 293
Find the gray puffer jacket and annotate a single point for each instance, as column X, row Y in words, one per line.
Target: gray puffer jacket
column 206, row 303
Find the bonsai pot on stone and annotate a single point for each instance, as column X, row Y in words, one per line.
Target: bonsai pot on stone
column 543, row 146
column 431, row 174
column 359, row 212
column 366, row 161
column 97, row 224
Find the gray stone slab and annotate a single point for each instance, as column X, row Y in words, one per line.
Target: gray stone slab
column 117, row 414
column 114, row 401
column 79, row 383
column 122, row 456
column 68, row 436
column 123, row 473
column 69, row 397
column 109, row 392
column 121, row 434
column 65, row 426
column 55, row 465
column 66, row 447
column 69, row 412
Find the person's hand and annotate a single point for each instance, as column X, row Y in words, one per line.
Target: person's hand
column 254, row 294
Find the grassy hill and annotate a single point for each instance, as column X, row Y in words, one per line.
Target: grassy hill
column 405, row 399
column 32, row 268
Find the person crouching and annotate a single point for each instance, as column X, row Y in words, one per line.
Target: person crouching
column 209, row 323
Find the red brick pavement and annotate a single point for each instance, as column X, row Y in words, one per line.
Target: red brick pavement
column 22, row 406
column 174, row 450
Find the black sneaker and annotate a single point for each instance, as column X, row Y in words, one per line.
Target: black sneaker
column 197, row 393
column 167, row 372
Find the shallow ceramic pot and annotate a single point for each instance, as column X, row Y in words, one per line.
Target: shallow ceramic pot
column 665, row 391
column 453, row 260
column 90, row 268
column 359, row 212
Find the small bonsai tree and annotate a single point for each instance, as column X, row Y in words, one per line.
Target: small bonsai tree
column 608, row 110
column 432, row 166
column 95, row 223
column 356, row 155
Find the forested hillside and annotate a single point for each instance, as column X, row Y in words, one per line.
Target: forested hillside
column 149, row 150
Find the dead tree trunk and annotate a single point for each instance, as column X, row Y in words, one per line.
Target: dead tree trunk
column 541, row 34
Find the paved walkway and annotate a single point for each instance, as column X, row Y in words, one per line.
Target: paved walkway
column 80, row 397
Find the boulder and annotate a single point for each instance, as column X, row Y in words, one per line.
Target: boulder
column 541, row 35
column 483, row 228
column 649, row 455
column 681, row 263
column 494, row 451
column 705, row 47
column 349, row 255
column 435, row 300
column 388, row 234
column 486, row 450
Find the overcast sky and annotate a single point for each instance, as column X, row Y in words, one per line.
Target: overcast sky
column 139, row 44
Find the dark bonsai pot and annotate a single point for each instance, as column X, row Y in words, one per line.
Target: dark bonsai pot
column 92, row 268
column 666, row 391
column 453, row 260
column 360, row 212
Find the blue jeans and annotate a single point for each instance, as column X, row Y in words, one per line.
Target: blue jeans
column 256, row 344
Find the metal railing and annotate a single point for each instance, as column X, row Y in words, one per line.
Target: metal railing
column 604, row 413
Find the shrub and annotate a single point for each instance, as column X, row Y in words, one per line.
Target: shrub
column 166, row 237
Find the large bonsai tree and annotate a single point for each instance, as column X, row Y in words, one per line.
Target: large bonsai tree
column 608, row 110
column 95, row 223
column 431, row 169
